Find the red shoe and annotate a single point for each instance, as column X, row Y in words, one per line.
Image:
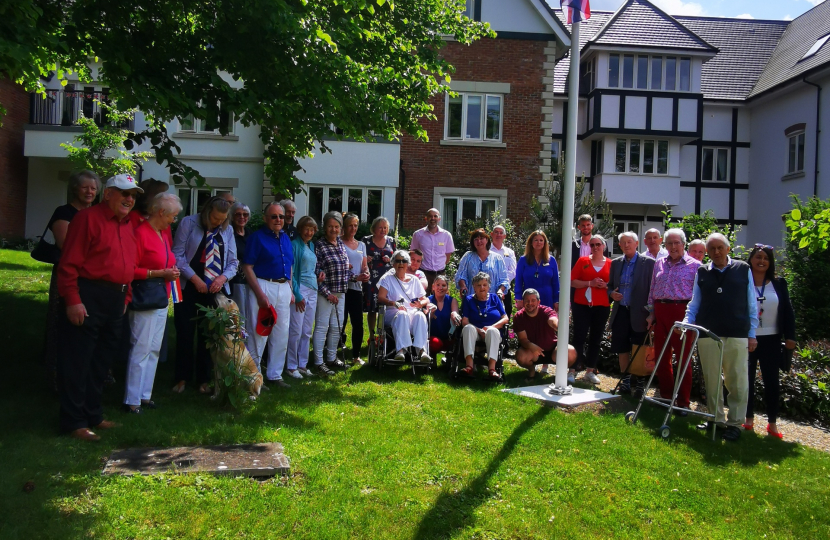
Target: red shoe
column 749, row 427
column 771, row 434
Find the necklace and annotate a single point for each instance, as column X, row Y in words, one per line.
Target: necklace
column 486, row 308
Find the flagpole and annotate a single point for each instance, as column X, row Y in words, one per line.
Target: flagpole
column 560, row 385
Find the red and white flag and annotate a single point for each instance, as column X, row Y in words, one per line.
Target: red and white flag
column 577, row 10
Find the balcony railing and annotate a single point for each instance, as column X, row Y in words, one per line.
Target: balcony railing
column 65, row 107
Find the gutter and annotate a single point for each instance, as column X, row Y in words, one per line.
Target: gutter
column 818, row 133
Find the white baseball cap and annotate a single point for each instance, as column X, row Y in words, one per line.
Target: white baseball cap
column 124, row 181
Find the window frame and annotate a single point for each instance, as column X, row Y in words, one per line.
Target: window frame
column 793, row 167
column 656, row 145
column 649, row 65
column 614, row 243
column 364, row 199
column 193, row 198
column 197, row 126
column 716, row 152
column 460, row 198
column 464, row 106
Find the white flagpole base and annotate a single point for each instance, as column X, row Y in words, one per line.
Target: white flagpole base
column 556, row 390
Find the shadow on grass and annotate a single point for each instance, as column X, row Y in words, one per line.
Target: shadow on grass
column 454, row 511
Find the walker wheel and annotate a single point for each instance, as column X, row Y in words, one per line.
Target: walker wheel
column 629, row 416
column 665, row 431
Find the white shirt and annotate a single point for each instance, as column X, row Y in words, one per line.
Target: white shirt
column 662, row 254
column 398, row 290
column 356, row 257
column 768, row 319
column 510, row 261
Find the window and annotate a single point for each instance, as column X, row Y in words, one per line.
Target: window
column 588, row 77
column 795, row 152
column 598, row 157
column 642, row 156
column 555, row 156
column 197, row 125
column 469, row 9
column 816, row 46
column 715, row 165
column 474, row 117
column 619, row 228
column 362, row 201
column 650, row 72
column 456, row 209
column 194, row 199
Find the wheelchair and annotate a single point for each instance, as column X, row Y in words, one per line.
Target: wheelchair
column 382, row 349
column 480, row 358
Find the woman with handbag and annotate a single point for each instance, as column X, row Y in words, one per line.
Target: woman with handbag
column 776, row 320
column 155, row 269
column 83, row 189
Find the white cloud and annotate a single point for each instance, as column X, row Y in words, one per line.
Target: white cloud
column 745, row 16
column 678, row 7
column 788, row 17
column 815, row 2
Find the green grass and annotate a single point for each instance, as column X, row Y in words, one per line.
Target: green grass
column 386, row 455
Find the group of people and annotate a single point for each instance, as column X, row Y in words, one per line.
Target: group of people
column 120, row 263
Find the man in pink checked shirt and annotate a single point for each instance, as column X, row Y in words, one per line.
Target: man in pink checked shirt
column 671, row 289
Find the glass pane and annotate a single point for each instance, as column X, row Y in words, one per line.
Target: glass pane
column 488, row 206
column 722, row 159
column 202, row 197
column 685, row 74
column 335, row 200
column 671, row 72
column 642, row 72
column 186, row 123
column 648, row 157
column 554, row 157
column 315, row 203
column 450, row 214
column 493, row 117
column 708, row 157
column 635, row 228
column 600, row 158
column 473, row 117
column 374, row 206
column 184, row 195
column 620, row 158
column 800, row 152
column 619, row 228
column 628, row 71
column 791, row 160
column 656, row 72
column 454, row 118
column 662, row 157
column 468, row 209
column 356, row 202
column 469, row 9
column 634, row 156
column 614, row 71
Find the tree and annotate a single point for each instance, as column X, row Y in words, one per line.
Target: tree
column 699, row 226
column 101, row 148
column 548, row 216
column 296, row 68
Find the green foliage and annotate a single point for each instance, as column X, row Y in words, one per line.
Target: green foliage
column 217, row 325
column 101, row 148
column 295, row 68
column 699, row 226
column 515, row 239
column 808, row 267
column 547, row 216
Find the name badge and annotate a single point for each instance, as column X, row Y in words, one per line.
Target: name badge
column 440, row 243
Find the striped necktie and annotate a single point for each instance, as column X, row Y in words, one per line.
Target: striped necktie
column 213, row 260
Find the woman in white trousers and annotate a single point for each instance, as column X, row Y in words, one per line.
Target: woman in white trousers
column 405, row 297
column 304, row 280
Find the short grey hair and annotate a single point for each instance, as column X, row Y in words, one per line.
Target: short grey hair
column 629, row 234
column 376, row 221
column 76, row 179
column 288, row 203
column 239, row 206
column 170, row 203
column 655, row 231
column 697, row 242
column 275, row 203
column 336, row 216
column 529, row 292
column 677, row 232
column 600, row 238
column 717, row 236
column 403, row 254
column 481, row 276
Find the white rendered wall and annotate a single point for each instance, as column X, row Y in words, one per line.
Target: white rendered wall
column 513, row 16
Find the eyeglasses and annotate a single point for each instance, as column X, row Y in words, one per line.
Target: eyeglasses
column 128, row 194
column 399, row 261
column 276, row 216
column 242, row 214
column 595, row 245
column 763, row 246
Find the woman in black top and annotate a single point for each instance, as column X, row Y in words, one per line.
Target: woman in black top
column 82, row 191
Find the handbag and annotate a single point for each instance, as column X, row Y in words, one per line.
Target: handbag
column 642, row 359
column 786, row 359
column 150, row 294
column 46, row 252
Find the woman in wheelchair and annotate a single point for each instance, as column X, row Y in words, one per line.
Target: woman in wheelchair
column 444, row 314
column 483, row 318
column 405, row 297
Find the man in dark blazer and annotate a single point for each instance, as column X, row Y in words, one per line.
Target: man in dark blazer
column 579, row 247
column 628, row 288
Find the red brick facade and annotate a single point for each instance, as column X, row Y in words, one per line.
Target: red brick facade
column 13, row 166
column 516, row 167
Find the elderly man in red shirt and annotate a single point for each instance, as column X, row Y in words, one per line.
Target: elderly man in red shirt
column 94, row 275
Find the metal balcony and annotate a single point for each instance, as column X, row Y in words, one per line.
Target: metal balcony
column 66, row 107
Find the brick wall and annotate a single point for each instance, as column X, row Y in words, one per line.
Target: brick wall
column 518, row 167
column 13, row 166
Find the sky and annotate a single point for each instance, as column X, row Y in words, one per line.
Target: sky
column 749, row 9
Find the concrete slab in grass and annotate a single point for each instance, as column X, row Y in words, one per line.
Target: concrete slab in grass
column 261, row 459
column 580, row 396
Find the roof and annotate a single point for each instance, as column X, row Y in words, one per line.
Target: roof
column 744, row 48
column 786, row 62
column 586, row 30
column 639, row 23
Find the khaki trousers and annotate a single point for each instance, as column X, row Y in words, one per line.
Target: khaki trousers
column 735, row 377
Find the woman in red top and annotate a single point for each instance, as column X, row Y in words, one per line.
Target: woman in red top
column 154, row 261
column 589, row 278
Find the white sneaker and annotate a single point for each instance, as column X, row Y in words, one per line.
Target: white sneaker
column 591, row 377
column 294, row 373
column 425, row 358
column 400, row 357
column 306, row 372
column 571, row 378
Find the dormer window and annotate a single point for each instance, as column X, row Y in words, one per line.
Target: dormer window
column 650, row 72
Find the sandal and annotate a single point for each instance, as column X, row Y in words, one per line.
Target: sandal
column 179, row 388
column 494, row 374
column 204, row 389
column 467, row 370
column 778, row 435
column 751, row 427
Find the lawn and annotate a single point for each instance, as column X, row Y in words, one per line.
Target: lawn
column 386, row 455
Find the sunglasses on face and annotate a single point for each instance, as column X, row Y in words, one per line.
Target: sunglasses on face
column 763, row 246
column 128, row 194
column 399, row 261
column 243, row 214
column 276, row 216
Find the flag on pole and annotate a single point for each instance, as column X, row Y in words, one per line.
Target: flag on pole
column 577, row 10
column 176, row 291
